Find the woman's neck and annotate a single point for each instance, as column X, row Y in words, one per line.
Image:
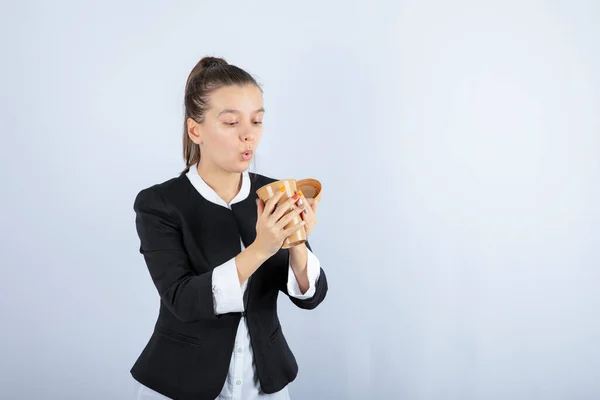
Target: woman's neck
column 226, row 184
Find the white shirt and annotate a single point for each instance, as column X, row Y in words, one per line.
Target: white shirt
column 242, row 381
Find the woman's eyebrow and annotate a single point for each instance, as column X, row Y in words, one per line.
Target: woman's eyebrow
column 233, row 111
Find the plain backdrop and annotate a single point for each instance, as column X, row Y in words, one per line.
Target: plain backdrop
column 458, row 144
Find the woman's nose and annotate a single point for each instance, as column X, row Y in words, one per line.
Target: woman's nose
column 248, row 136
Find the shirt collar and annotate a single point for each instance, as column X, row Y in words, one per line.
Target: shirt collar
column 209, row 194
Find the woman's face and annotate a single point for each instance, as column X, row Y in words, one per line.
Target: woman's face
column 232, row 127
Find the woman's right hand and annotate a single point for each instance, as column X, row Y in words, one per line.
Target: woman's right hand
column 271, row 222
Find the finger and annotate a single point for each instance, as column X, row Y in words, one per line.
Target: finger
column 302, row 202
column 310, row 213
column 308, row 216
column 288, row 218
column 272, row 202
column 287, row 232
column 260, row 207
column 309, row 209
column 310, row 201
column 285, row 207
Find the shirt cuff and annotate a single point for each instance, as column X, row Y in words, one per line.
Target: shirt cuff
column 313, row 270
column 226, row 289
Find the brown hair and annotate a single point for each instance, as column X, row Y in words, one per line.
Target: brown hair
column 209, row 74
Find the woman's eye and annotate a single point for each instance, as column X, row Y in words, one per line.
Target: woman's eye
column 257, row 122
column 231, row 123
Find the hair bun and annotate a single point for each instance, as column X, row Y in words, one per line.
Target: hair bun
column 208, row 62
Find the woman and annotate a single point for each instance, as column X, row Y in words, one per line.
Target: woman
column 213, row 250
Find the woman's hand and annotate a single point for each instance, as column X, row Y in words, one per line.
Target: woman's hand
column 299, row 254
column 271, row 222
column 309, row 216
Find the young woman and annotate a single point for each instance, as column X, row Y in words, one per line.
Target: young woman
column 213, row 250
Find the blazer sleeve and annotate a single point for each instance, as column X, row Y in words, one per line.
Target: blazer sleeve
column 313, row 270
column 185, row 293
column 320, row 288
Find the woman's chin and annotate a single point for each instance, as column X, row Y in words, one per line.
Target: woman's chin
column 244, row 165
column 239, row 167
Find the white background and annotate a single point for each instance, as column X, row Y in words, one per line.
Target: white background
column 457, row 143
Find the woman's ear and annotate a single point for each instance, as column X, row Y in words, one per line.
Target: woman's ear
column 194, row 131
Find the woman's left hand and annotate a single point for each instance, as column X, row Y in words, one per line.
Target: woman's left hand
column 309, row 215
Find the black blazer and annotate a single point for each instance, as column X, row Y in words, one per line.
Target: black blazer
column 183, row 237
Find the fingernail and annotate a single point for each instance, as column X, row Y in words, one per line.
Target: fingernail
column 304, row 211
column 295, row 196
column 300, row 192
column 282, row 189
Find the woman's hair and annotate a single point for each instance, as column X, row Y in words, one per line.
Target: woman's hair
column 209, row 74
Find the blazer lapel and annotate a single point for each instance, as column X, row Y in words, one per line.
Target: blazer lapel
column 245, row 215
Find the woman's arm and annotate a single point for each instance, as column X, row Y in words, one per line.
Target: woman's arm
column 229, row 277
column 304, row 282
column 248, row 261
column 298, row 265
column 186, row 294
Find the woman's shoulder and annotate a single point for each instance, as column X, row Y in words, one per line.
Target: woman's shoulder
column 159, row 193
column 259, row 180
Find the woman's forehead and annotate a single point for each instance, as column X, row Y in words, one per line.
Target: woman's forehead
column 246, row 99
